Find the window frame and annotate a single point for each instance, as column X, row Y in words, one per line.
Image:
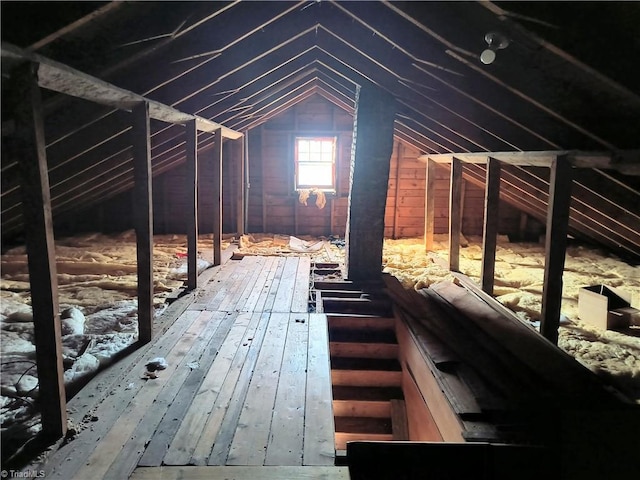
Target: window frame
column 323, row 138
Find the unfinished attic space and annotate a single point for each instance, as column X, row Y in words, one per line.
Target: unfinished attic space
column 320, row 239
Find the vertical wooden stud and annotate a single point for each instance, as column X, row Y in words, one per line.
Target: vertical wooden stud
column 555, row 246
column 247, row 184
column 396, row 209
column 240, row 192
column 143, row 217
column 217, row 197
column 455, row 214
column 296, row 202
column 28, row 149
column 191, row 189
column 522, row 225
column 490, row 229
column 429, row 204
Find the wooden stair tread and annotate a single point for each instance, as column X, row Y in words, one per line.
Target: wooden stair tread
column 363, row 425
column 361, row 335
column 364, row 350
column 368, row 322
column 365, row 364
column 366, row 393
column 362, row 408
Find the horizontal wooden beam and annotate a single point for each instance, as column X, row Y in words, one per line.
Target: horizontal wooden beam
column 625, row 161
column 64, row 79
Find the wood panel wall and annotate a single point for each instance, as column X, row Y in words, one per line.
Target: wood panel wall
column 273, row 204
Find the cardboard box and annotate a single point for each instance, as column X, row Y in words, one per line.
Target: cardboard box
column 604, row 307
column 630, row 315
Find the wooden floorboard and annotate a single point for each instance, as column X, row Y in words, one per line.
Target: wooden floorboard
column 319, row 410
column 64, row 462
column 227, row 407
column 192, row 425
column 155, row 394
column 242, row 473
column 249, row 443
column 286, row 436
column 248, row 383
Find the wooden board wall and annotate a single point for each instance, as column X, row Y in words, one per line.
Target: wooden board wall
column 273, row 205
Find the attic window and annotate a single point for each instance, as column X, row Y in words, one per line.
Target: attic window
column 315, row 163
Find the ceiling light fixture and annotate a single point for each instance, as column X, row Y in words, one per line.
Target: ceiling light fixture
column 496, row 41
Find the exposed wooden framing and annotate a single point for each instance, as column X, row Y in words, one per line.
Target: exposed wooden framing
column 555, row 246
column 504, row 17
column 332, row 214
column 518, row 93
column 217, row 198
column 28, row 146
column 455, row 214
column 68, row 29
column 522, row 226
column 247, row 183
column 396, row 210
column 143, row 218
column 429, row 204
column 191, row 189
column 370, row 155
column 529, row 193
column 238, row 159
column 490, row 229
column 625, row 161
column 296, row 205
column 64, row 79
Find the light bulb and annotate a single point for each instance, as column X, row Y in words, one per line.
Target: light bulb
column 488, row 56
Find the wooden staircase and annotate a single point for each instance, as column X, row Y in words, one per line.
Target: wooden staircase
column 366, row 375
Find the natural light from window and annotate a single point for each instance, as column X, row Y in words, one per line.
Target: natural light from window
column 315, row 163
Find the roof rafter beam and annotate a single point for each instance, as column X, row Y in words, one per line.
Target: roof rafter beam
column 63, row 79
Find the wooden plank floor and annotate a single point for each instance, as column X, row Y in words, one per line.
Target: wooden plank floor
column 248, row 384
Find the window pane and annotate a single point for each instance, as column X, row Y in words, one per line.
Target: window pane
column 315, row 157
column 314, row 145
column 303, row 156
column 315, row 175
column 315, row 160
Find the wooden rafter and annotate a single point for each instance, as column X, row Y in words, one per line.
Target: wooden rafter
column 63, row 79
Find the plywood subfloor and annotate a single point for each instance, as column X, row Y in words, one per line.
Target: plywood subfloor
column 248, row 384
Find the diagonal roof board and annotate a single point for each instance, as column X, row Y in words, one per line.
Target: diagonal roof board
column 240, row 63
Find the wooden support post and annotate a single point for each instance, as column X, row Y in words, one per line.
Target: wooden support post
column 296, row 202
column 429, row 204
column 240, row 191
column 332, row 213
column 490, row 229
column 27, row 147
column 455, row 214
column 555, row 246
column 370, row 158
column 143, row 217
column 217, row 197
column 396, row 210
column 191, row 189
column 522, row 226
column 247, row 182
